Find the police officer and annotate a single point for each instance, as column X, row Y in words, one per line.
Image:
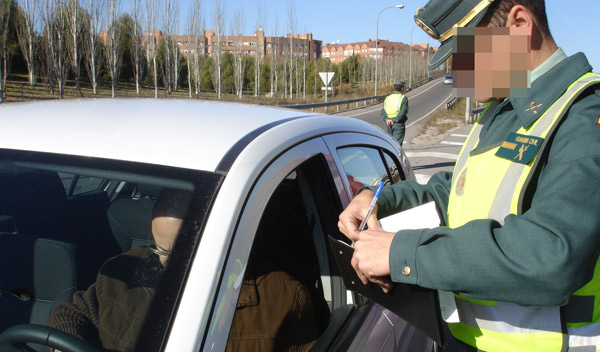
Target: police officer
column 393, row 112
column 522, row 237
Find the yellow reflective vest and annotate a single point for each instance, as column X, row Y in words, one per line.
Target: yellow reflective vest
column 392, row 104
column 485, row 186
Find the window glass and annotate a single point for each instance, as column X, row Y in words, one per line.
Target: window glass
column 80, row 184
column 78, row 244
column 395, row 172
column 287, row 301
column 363, row 166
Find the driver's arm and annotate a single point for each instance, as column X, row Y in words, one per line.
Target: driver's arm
column 79, row 318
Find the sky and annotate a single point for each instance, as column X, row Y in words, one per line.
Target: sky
column 573, row 23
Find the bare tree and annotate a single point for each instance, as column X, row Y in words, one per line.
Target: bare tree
column 167, row 29
column 91, row 48
column 219, row 24
column 238, row 51
column 274, row 74
column 4, row 20
column 55, row 24
column 75, row 26
column 150, row 39
column 136, row 43
column 195, row 30
column 113, row 45
column 292, row 28
column 27, row 37
column 259, row 57
column 174, row 47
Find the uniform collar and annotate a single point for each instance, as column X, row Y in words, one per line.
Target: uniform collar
column 555, row 78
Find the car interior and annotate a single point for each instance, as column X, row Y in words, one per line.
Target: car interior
column 57, row 227
column 58, row 224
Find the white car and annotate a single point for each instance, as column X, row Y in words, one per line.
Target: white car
column 448, row 79
column 79, row 179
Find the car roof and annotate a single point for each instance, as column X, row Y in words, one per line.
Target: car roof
column 182, row 133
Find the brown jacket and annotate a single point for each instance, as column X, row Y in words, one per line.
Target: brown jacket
column 274, row 311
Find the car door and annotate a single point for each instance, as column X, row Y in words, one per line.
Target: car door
column 291, row 209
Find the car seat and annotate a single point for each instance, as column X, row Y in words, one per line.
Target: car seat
column 130, row 220
column 35, row 275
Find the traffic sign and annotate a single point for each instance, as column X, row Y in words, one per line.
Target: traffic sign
column 326, row 77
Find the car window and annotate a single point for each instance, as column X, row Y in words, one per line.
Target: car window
column 65, row 261
column 291, row 289
column 367, row 166
column 76, row 184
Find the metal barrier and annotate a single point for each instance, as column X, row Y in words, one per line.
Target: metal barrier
column 476, row 113
column 451, row 103
column 358, row 100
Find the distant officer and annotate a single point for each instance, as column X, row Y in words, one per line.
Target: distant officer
column 395, row 108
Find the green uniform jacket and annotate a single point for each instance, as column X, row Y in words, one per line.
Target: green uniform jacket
column 540, row 257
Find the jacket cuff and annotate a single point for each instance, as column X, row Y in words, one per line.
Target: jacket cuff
column 403, row 254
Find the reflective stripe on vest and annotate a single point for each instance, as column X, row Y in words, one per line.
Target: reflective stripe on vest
column 478, row 176
column 392, row 104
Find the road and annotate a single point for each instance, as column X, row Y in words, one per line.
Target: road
column 423, row 103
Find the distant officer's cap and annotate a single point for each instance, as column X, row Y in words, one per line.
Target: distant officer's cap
column 399, row 84
column 439, row 17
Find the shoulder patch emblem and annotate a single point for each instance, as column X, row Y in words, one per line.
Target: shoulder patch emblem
column 598, row 121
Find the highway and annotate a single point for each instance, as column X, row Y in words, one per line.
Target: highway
column 423, row 103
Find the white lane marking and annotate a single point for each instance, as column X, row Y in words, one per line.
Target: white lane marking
column 459, row 135
column 431, row 155
column 379, row 109
column 431, row 112
column 452, row 143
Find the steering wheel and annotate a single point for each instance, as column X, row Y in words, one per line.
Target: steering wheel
column 18, row 335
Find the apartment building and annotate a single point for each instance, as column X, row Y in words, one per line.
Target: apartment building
column 259, row 45
column 337, row 53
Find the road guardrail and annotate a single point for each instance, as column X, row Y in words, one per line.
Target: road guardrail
column 357, row 101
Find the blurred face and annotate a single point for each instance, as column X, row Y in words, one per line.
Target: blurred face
column 491, row 62
column 164, row 231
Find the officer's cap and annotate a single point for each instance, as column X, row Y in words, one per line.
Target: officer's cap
column 439, row 17
column 399, row 84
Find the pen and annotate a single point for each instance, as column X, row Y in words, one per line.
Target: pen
column 363, row 224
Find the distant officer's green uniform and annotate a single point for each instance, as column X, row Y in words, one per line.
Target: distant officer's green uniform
column 395, row 108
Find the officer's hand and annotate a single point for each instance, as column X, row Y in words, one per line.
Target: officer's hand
column 352, row 216
column 389, row 122
column 371, row 257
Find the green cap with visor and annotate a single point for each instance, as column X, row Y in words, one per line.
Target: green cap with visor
column 439, row 18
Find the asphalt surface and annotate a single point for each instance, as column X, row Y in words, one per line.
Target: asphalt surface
column 426, row 159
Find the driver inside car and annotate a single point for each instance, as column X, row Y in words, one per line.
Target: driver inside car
column 274, row 311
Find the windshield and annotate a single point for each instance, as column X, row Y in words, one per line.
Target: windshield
column 85, row 243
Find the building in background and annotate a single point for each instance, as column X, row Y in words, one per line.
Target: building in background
column 258, row 45
column 337, row 53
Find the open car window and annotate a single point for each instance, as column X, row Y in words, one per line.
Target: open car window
column 78, row 241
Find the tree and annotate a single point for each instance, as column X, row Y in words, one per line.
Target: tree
column 238, row 67
column 219, row 24
column 150, row 42
column 113, row 45
column 259, row 57
column 75, row 25
column 56, row 30
column 5, row 9
column 92, row 49
column 292, row 29
column 135, row 43
column 195, row 34
column 167, row 28
column 27, row 36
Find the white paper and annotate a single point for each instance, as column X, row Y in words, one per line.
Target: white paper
column 424, row 216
